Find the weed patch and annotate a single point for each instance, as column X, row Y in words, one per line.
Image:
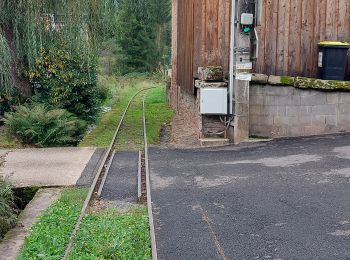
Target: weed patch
column 114, row 235
column 51, row 233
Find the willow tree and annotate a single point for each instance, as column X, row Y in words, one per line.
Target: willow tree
column 28, row 26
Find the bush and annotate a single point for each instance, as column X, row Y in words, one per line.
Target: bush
column 44, row 127
column 67, row 80
column 7, row 213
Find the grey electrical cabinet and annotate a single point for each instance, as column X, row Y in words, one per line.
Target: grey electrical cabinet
column 213, row 101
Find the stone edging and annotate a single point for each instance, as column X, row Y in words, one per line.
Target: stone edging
column 301, row 82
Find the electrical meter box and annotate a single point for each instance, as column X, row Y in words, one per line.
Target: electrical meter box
column 213, row 101
column 247, row 19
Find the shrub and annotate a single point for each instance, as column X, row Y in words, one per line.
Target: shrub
column 44, row 127
column 67, row 80
column 7, row 212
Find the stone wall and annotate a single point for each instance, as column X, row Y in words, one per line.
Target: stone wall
column 284, row 111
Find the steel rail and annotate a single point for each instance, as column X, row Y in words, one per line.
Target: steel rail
column 148, row 187
column 102, row 167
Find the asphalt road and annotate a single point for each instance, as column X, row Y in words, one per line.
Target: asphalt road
column 286, row 199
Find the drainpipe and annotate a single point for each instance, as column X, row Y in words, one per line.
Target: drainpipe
column 232, row 55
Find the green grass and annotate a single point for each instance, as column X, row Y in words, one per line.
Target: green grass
column 114, row 235
column 51, row 233
column 158, row 112
column 7, row 141
column 131, row 137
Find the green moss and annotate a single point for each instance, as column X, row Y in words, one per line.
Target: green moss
column 312, row 83
column 287, row 81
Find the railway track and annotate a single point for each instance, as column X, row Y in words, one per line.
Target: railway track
column 98, row 183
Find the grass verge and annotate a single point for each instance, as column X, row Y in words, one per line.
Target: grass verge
column 114, row 235
column 158, row 112
column 51, row 233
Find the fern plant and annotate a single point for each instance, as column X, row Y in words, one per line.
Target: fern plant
column 41, row 126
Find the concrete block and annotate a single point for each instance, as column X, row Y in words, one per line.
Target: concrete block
column 214, row 142
column 303, row 92
column 256, row 110
column 318, row 120
column 304, row 120
column 324, row 110
column 203, row 84
column 283, row 100
column 305, row 110
column 296, row 131
column 211, row 73
column 314, row 99
column 333, row 98
column 256, row 100
column 292, row 110
column 242, row 109
column 344, row 119
column 274, row 80
column 296, row 100
column 278, row 131
column 242, row 92
column 329, row 129
column 257, row 90
column 281, row 120
column 260, row 78
column 241, row 124
column 314, row 130
column 275, row 110
column 331, row 120
column 344, row 97
column 344, row 108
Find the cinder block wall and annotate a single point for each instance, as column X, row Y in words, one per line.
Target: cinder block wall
column 282, row 111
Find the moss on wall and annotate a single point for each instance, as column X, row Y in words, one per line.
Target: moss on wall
column 307, row 83
column 311, row 83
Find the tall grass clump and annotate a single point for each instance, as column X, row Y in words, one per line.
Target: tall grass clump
column 7, row 208
column 39, row 125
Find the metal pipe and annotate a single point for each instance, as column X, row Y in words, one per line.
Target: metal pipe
column 232, row 55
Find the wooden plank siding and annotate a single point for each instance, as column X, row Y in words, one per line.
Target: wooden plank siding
column 203, row 38
column 185, row 44
column 290, row 30
column 288, row 36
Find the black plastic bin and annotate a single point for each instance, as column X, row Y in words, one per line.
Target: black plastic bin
column 332, row 60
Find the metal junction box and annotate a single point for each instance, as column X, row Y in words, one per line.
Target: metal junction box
column 213, row 101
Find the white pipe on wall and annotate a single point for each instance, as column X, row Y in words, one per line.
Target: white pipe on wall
column 232, row 55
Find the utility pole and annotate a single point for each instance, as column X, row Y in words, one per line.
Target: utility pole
column 241, row 67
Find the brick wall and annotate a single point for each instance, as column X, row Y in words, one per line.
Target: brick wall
column 281, row 111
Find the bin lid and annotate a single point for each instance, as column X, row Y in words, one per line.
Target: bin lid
column 330, row 43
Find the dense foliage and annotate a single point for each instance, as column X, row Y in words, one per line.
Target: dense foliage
column 28, row 26
column 66, row 80
column 50, row 48
column 7, row 213
column 143, row 34
column 39, row 125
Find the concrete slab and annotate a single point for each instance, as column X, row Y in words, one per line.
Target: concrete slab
column 14, row 239
column 285, row 199
column 44, row 167
column 214, row 142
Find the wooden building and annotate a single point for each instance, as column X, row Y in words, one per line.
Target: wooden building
column 288, row 32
